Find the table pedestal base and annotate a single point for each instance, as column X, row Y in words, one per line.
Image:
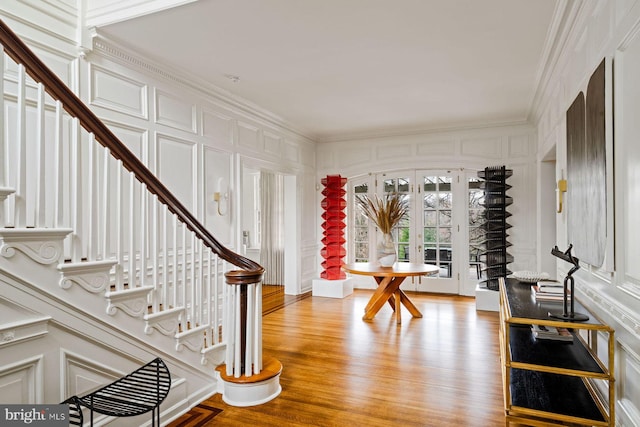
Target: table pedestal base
column 389, row 291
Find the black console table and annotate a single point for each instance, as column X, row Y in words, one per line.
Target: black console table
column 553, row 382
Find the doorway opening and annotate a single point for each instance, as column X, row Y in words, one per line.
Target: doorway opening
column 270, row 232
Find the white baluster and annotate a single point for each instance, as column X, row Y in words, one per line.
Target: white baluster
column 193, row 287
column 105, row 215
column 119, row 227
column 92, row 209
column 132, row 232
column 249, row 331
column 237, row 334
column 76, row 192
column 229, row 332
column 19, row 213
column 41, row 191
column 216, row 292
column 176, row 263
column 183, row 264
column 143, row 239
column 200, row 277
column 4, row 160
column 165, row 254
column 155, row 251
column 257, row 336
column 58, row 197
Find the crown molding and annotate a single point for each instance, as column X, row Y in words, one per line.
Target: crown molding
column 398, row 133
column 114, row 11
column 563, row 25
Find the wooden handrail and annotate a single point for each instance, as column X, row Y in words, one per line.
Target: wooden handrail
column 22, row 54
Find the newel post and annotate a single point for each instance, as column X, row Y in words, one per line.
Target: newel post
column 248, row 380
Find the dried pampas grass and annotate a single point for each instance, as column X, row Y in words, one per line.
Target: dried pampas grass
column 385, row 212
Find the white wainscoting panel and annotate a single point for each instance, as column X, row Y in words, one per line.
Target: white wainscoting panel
column 118, row 93
column 628, row 374
column 176, row 168
column 399, row 151
column 353, row 156
column 217, row 128
column 436, row 148
column 82, row 375
column 519, row 146
column 326, row 157
column 136, row 139
column 307, row 155
column 172, row 111
column 310, row 195
column 627, row 160
column 248, row 136
column 486, row 148
column 290, row 151
column 272, row 144
column 22, row 381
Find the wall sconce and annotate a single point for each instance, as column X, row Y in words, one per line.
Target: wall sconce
column 221, row 196
column 562, row 188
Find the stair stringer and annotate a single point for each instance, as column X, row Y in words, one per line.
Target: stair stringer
column 117, row 308
column 102, row 335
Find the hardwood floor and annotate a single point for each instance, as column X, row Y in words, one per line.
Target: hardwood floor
column 440, row 370
column 274, row 298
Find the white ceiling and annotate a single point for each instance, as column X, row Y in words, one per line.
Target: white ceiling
column 335, row 69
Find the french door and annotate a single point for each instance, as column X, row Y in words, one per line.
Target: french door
column 441, row 228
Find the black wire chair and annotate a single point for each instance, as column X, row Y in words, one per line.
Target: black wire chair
column 75, row 411
column 137, row 393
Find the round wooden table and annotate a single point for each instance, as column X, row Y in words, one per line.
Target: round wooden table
column 389, row 280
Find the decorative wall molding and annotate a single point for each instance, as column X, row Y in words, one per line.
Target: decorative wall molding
column 41, row 245
column 193, row 339
column 173, row 112
column 23, row 330
column 626, row 318
column 23, row 381
column 105, row 85
column 217, row 127
column 166, row 321
column 91, row 276
column 273, row 144
column 131, row 301
column 249, row 136
column 80, row 374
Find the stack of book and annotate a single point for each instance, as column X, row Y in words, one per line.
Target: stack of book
column 542, row 332
column 551, row 291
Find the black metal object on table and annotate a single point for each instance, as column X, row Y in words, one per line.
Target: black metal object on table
column 568, row 281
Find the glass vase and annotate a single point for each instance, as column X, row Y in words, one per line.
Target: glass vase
column 386, row 251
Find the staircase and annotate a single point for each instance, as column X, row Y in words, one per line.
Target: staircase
column 101, row 267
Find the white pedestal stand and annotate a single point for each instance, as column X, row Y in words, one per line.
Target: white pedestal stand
column 332, row 288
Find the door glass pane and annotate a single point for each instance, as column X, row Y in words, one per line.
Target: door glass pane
column 430, row 218
column 476, row 230
column 437, row 205
column 390, row 186
column 401, row 233
column 361, row 227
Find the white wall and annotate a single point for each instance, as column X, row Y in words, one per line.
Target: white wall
column 605, row 29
